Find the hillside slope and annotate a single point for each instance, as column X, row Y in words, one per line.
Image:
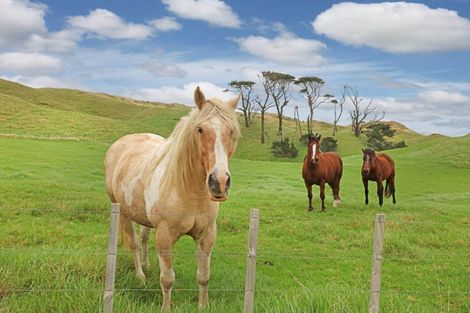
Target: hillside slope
column 77, row 115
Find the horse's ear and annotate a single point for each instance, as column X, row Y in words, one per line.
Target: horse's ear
column 363, row 151
column 319, row 137
column 234, row 102
column 373, row 152
column 199, row 98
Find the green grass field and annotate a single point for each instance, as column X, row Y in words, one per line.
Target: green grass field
column 54, row 217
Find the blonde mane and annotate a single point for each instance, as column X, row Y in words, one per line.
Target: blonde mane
column 184, row 169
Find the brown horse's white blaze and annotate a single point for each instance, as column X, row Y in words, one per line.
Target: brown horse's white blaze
column 314, row 152
column 175, row 185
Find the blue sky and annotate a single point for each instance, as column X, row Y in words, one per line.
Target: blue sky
column 412, row 59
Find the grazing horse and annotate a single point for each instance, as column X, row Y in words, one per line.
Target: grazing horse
column 320, row 168
column 377, row 167
column 175, row 185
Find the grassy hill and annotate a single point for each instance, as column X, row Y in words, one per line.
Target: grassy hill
column 78, row 115
column 54, row 218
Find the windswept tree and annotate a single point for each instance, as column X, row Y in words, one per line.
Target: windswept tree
column 362, row 114
column 338, row 109
column 311, row 87
column 278, row 85
column 245, row 88
column 263, row 104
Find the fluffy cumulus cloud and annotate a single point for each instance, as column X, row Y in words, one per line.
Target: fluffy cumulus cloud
column 19, row 20
column 106, row 24
column 286, row 48
column 29, row 63
column 165, row 24
column 185, row 94
column 214, row 12
column 397, row 27
column 163, row 70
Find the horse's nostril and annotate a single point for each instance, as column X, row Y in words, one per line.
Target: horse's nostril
column 227, row 185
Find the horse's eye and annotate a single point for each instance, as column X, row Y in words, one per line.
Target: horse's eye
column 199, row 130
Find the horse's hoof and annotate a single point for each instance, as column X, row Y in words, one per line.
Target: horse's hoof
column 336, row 203
column 141, row 277
column 310, row 209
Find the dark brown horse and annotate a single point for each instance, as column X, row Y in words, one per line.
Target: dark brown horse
column 378, row 167
column 320, row 168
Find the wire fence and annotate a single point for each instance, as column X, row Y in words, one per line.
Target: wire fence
column 409, row 256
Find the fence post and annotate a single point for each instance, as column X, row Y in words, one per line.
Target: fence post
column 111, row 262
column 251, row 261
column 377, row 257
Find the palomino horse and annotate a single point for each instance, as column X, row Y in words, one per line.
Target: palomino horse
column 377, row 167
column 320, row 168
column 175, row 185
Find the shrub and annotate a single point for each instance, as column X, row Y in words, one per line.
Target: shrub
column 284, row 149
column 303, row 140
column 329, row 144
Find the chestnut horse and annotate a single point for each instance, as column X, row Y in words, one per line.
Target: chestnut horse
column 175, row 185
column 378, row 167
column 320, row 168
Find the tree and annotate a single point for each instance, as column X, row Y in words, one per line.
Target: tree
column 376, row 133
column 263, row 103
column 361, row 115
column 245, row 88
column 328, row 144
column 311, row 86
column 338, row 109
column 278, row 87
column 297, row 120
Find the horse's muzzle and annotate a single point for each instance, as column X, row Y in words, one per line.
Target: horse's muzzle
column 218, row 186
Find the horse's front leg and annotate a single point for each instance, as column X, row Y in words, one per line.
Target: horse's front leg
column 203, row 254
column 380, row 191
column 322, row 195
column 309, row 195
column 365, row 181
column 165, row 241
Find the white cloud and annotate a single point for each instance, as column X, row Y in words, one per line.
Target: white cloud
column 19, row 20
column 214, row 12
column 185, row 95
column 165, row 24
column 61, row 41
column 285, row 48
column 105, row 23
column 29, row 63
column 163, row 70
column 441, row 97
column 397, row 27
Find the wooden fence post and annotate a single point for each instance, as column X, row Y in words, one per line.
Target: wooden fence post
column 377, row 257
column 111, row 263
column 251, row 261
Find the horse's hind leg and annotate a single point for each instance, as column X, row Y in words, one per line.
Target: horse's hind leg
column 335, row 187
column 392, row 188
column 129, row 229
column 144, row 239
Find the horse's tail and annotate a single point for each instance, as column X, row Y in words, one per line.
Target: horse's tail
column 388, row 189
